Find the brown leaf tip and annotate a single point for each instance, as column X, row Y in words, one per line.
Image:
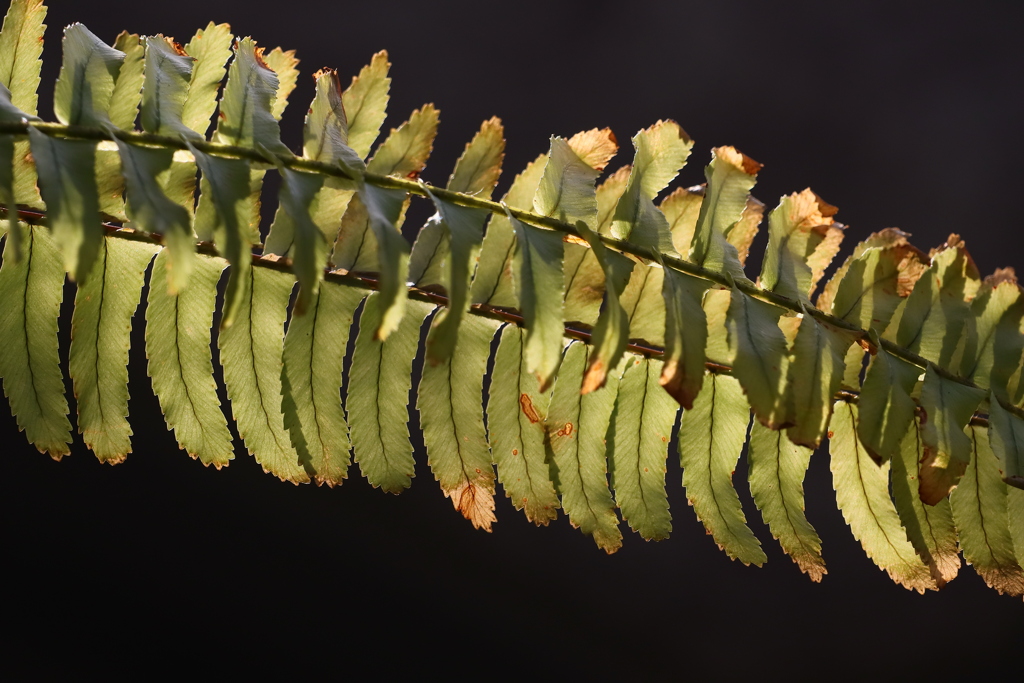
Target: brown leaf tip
column 734, row 157
column 1001, row 276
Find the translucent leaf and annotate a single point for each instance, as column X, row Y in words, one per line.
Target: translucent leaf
column 21, row 45
column 210, row 48
column 251, row 354
column 566, row 189
column 68, row 186
column 378, row 395
column 711, row 437
column 948, row 406
column 284, row 64
column 8, row 171
column 661, row 151
column 801, row 223
column 929, row 527
column 492, row 283
column 862, row 492
column 309, row 252
column 405, row 151
column 761, row 352
column 124, row 101
column 32, row 288
column 538, row 280
column 682, row 209
column 777, row 470
column 980, row 510
column 87, row 76
column 576, row 427
column 325, row 134
column 383, row 208
column 1006, row 435
column 452, row 420
column 685, row 336
column 994, row 350
column 166, row 87
column 100, row 337
column 314, row 350
column 730, row 177
column 247, row 116
column 477, row 170
column 180, row 360
column 641, row 427
column 151, row 211
column 886, row 407
column 1015, row 512
column 516, row 410
column 644, row 305
column 365, row 102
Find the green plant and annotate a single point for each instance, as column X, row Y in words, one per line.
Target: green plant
column 938, row 410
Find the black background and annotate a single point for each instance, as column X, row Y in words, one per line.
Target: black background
column 902, row 114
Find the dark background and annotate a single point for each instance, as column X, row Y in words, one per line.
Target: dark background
column 902, row 114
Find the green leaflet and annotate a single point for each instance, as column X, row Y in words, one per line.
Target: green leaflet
column 980, row 510
column 492, row 282
column 929, row 527
column 227, row 184
column 8, row 189
column 611, row 334
column 250, row 352
column 100, row 337
column 314, row 350
column 644, row 304
column 309, row 247
column 68, row 187
column 378, row 396
column 566, row 190
column 948, row 406
column 539, row 283
column 777, row 470
column 31, row 289
column 753, row 328
column 641, row 427
column 994, row 349
column 405, row 151
column 365, row 102
column 516, row 411
column 797, row 229
column 1006, row 435
column 210, row 48
column 934, row 314
column 711, row 436
column 815, row 374
column 284, row 64
column 165, row 89
column 479, row 167
column 124, row 101
column 325, row 134
column 384, row 208
column 87, row 75
column 862, row 493
column 886, row 406
column 21, row 45
column 682, row 209
column 451, row 417
column 576, row 426
column 730, row 176
column 661, row 151
column 246, row 107
column 151, row 211
column 686, row 335
column 180, row 360
column 1015, row 512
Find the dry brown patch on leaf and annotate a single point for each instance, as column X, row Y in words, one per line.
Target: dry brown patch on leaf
column 809, row 211
column 475, row 503
column 819, row 260
column 595, row 147
column 1001, row 276
column 734, row 157
column 526, row 405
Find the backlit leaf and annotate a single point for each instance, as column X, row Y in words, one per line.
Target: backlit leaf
column 124, row 101
column 685, row 336
column 210, row 48
column 760, row 355
column 730, row 177
column 948, row 406
column 86, row 81
column 21, row 45
column 800, row 224
column 365, row 102
column 247, row 106
column 566, row 189
column 167, row 76
column 886, row 407
column 993, row 351
column 538, row 280
column 309, row 252
column 1006, row 435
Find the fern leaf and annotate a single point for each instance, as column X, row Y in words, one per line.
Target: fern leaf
column 638, row 439
column 168, row 73
column 730, row 177
column 949, row 406
column 576, row 427
column 127, row 94
column 32, row 289
column 761, row 352
column 686, row 335
column 777, row 470
column 21, row 45
column 980, row 510
column 566, row 190
column 100, row 338
column 995, row 347
column 886, row 407
column 180, row 360
column 479, row 166
column 1015, row 513
column 538, row 280
column 405, row 151
column 384, row 208
column 644, row 305
column 309, row 252
column 68, row 187
column 210, row 48
column 87, row 77
column 247, row 105
column 151, row 210
column 711, row 437
column 929, row 527
column 8, row 172
column 365, row 102
column 379, row 385
column 314, row 350
column 284, row 64
column 325, row 135
column 251, row 354
column 516, row 411
column 661, row 151
column 451, row 416
column 801, row 223
column 1006, row 436
column 862, row 492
